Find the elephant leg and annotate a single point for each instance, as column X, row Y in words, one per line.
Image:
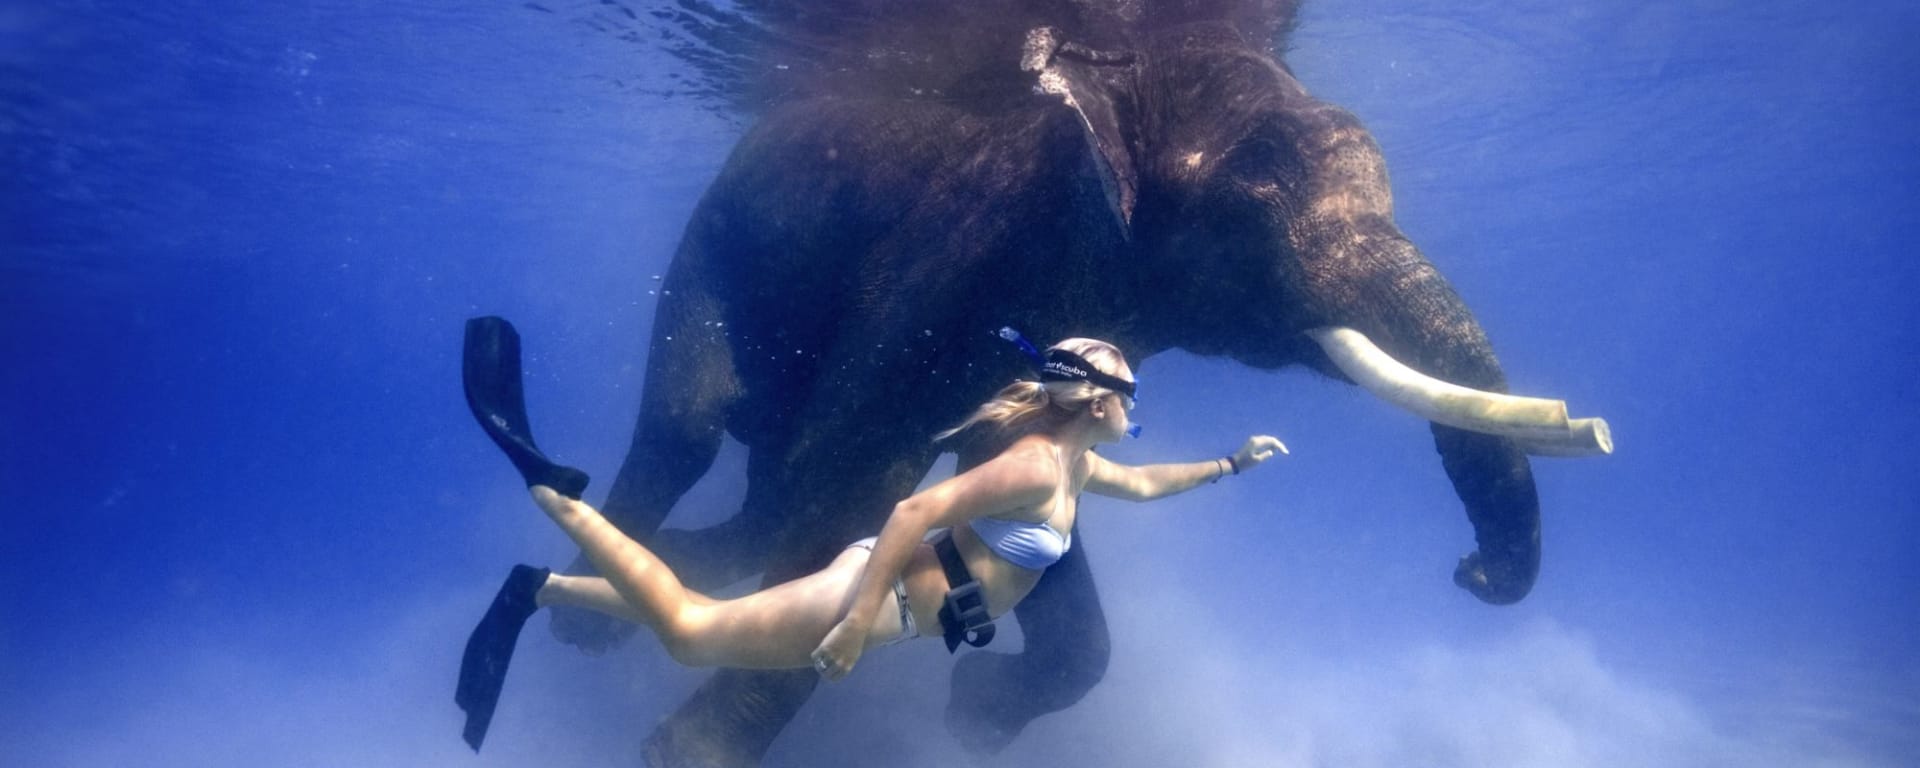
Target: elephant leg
column 711, row 558
column 732, row 719
column 691, row 385
column 995, row 695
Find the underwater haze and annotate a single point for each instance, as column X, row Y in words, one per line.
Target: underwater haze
column 247, row 519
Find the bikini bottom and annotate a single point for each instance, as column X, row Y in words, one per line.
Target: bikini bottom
column 908, row 629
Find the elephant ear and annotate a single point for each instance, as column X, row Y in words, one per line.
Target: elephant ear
column 1087, row 81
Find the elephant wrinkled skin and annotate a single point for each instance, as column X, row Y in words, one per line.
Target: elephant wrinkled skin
column 1144, row 172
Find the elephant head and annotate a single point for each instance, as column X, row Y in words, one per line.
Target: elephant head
column 1261, row 220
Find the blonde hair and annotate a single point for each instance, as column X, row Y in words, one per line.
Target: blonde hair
column 1027, row 405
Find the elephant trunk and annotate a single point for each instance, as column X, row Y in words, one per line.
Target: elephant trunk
column 1492, row 476
column 1438, row 363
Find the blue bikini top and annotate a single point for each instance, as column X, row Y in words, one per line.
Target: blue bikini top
column 1032, row 546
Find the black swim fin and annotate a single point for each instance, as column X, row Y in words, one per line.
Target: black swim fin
column 490, row 372
column 483, row 668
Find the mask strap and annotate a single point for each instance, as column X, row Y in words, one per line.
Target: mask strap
column 1039, row 363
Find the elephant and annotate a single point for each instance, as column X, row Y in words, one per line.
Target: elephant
column 1147, row 172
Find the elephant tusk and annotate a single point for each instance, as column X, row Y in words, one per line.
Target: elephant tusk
column 1584, row 437
column 1539, row 425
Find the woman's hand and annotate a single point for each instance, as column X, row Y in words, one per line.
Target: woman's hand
column 840, row 650
column 1259, row 448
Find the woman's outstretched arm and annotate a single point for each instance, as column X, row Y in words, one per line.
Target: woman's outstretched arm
column 1006, row 482
column 1154, row 481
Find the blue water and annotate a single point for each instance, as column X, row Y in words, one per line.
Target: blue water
column 247, row 520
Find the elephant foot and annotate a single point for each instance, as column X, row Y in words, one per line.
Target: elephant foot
column 978, row 714
column 977, row 732
column 593, row 633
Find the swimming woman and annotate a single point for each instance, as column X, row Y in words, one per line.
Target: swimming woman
column 1001, row 524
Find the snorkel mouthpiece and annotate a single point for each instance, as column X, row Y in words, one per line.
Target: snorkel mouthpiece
column 1061, row 365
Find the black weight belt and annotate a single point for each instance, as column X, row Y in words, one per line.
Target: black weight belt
column 963, row 617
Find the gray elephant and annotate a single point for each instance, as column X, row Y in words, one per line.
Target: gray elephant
column 920, row 174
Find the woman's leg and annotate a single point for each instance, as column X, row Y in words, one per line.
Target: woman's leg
column 595, row 594
column 652, row 595
column 776, row 627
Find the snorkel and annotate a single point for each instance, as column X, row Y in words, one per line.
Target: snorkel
column 1061, row 365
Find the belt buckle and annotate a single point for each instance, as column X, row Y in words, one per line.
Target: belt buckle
column 965, row 617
